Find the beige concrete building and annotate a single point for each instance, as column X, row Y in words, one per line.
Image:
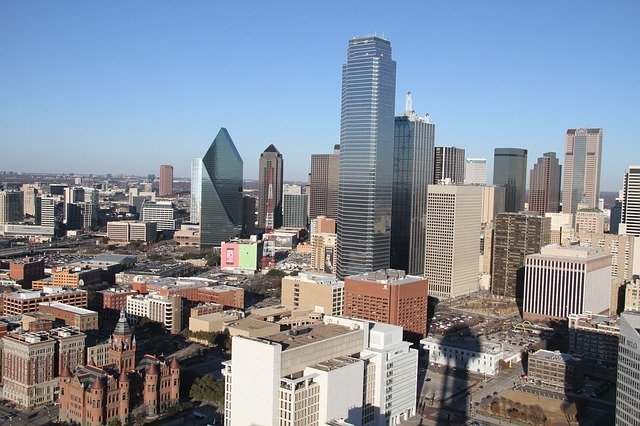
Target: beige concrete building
column 561, row 228
column 166, row 310
column 591, row 220
column 581, row 170
column 127, row 231
column 323, row 251
column 492, row 202
column 188, row 235
column 452, row 248
column 632, row 296
column 251, row 327
column 623, row 249
column 215, row 322
column 319, row 292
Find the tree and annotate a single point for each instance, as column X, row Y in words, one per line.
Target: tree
column 223, row 340
column 206, row 388
column 569, row 410
column 114, row 422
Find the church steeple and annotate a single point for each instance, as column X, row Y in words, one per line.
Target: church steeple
column 122, row 348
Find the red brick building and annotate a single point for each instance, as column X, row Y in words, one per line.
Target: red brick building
column 83, row 319
column 26, row 301
column 388, row 296
column 95, row 396
column 115, row 298
column 25, row 271
column 228, row 296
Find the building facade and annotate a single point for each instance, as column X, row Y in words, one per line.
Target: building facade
column 560, row 281
column 323, row 184
column 366, row 157
column 510, row 171
column 448, row 164
column 475, row 171
column 452, row 241
column 630, row 215
column 316, row 292
column 323, row 252
column 196, row 190
column 270, row 169
column 166, row 180
column 294, row 210
column 628, row 383
column 544, row 184
column 412, row 171
column 582, row 159
column 516, row 235
column 221, row 192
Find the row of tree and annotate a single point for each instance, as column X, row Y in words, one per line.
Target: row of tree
column 504, row 407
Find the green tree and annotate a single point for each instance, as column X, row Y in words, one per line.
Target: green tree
column 206, row 388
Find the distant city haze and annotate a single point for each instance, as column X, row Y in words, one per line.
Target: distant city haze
column 91, row 88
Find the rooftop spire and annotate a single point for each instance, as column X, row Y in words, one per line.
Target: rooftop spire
column 408, row 103
column 122, row 327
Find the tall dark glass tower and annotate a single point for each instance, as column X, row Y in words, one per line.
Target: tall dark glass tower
column 221, row 196
column 270, row 189
column 366, row 157
column 412, row 173
column 510, row 171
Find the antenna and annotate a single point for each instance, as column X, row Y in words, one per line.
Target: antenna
column 408, row 103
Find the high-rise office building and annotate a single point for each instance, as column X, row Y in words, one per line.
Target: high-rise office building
column 323, row 184
column 249, row 217
column 448, row 163
column 628, row 383
column 631, row 202
column 492, row 202
column 221, row 192
column 30, row 194
column 616, row 216
column 270, row 189
column 51, row 211
column 452, row 242
column 11, row 206
column 166, row 180
column 294, row 207
column 196, row 190
column 475, row 171
column 582, row 158
column 510, row 171
column 412, row 171
column 163, row 213
column 516, row 235
column 544, row 184
column 560, row 281
column 366, row 157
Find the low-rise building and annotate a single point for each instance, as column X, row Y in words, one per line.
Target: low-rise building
column 241, row 256
column 313, row 291
column 166, row 310
column 127, row 231
column 188, row 235
column 594, row 338
column 81, row 318
column 25, row 301
column 554, row 370
column 25, row 271
column 206, row 308
column 465, row 353
column 115, row 299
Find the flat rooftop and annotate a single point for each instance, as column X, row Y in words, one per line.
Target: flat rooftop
column 574, row 252
column 335, row 363
column 468, row 343
column 298, row 337
column 249, row 324
column 555, row 356
column 69, row 308
column 387, row 276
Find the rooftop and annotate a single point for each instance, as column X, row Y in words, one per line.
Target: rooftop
column 556, row 356
column 387, row 276
column 335, row 363
column 575, row 252
column 249, row 324
column 298, row 337
column 69, row 308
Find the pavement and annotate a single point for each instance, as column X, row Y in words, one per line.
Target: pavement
column 37, row 417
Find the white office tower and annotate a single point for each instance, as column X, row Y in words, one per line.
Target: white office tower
column 475, row 171
column 358, row 371
column 196, row 190
column 560, row 281
column 628, row 381
column 161, row 212
column 630, row 221
column 452, row 242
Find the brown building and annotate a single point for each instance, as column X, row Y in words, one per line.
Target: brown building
column 323, row 184
column 81, row 318
column 115, row 298
column 309, row 291
column 28, row 368
column 166, row 180
column 554, row 370
column 25, row 271
column 544, row 185
column 206, row 308
column 97, row 395
column 26, row 301
column 70, row 277
column 323, row 225
column 515, row 236
column 388, row 296
column 228, row 296
column 69, row 349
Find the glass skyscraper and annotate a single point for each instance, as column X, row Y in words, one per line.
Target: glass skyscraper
column 582, row 165
column 510, row 171
column 221, row 192
column 366, row 157
column 412, row 173
column 196, row 190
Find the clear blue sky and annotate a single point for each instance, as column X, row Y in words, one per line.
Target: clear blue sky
column 122, row 87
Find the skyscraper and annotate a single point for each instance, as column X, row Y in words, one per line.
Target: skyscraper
column 270, row 189
column 583, row 152
column 544, row 184
column 516, row 235
column 323, row 182
column 166, row 180
column 452, row 242
column 196, row 190
column 294, row 207
column 412, row 173
column 366, row 157
column 510, row 170
column 475, row 171
column 631, row 202
column 448, row 163
column 627, row 383
column 11, row 206
column 30, row 192
column 221, row 192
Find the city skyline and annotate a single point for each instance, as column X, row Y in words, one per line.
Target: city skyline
column 121, row 105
